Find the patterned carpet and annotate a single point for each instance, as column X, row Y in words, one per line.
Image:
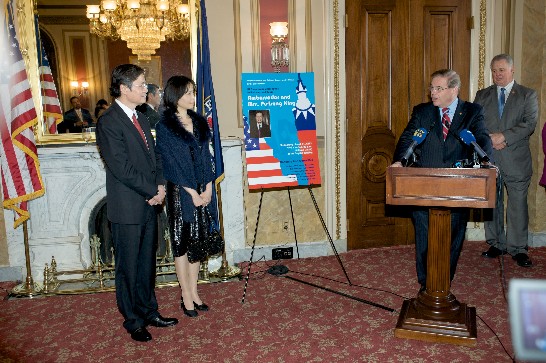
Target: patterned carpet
column 282, row 320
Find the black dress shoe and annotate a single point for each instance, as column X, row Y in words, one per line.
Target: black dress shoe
column 141, row 335
column 493, row 252
column 162, row 322
column 190, row 313
column 202, row 307
column 523, row 260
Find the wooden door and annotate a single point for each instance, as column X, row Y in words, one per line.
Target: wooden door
column 392, row 47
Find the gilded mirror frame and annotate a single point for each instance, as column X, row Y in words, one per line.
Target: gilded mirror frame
column 28, row 43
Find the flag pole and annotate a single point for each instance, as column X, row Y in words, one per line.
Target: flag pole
column 26, row 289
column 225, row 272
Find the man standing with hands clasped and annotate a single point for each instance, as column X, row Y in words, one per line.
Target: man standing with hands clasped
column 134, row 188
column 511, row 112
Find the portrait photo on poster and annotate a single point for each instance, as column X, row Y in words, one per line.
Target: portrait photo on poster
column 260, row 125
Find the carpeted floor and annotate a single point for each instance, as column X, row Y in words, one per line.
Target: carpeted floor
column 282, row 320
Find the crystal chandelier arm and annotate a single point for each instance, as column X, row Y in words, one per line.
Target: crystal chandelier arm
column 143, row 24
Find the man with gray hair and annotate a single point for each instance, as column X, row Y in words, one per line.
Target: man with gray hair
column 443, row 119
column 153, row 99
column 511, row 113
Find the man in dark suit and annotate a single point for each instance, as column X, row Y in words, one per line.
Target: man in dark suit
column 511, row 113
column 260, row 128
column 134, row 187
column 153, row 99
column 75, row 119
column 441, row 148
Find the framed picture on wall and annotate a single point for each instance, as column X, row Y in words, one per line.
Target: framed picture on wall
column 152, row 68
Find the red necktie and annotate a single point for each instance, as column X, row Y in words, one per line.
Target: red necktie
column 137, row 125
column 445, row 121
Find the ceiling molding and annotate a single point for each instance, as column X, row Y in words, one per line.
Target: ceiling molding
column 63, row 20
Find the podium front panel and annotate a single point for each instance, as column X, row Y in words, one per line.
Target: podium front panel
column 441, row 187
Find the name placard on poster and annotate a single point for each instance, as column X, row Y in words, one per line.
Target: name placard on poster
column 280, row 130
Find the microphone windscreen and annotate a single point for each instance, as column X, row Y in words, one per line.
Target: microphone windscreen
column 419, row 135
column 467, row 137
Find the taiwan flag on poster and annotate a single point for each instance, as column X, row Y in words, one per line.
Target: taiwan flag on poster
column 280, row 130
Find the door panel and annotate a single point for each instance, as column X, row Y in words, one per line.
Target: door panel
column 392, row 47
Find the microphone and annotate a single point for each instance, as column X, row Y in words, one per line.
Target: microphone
column 469, row 139
column 418, row 137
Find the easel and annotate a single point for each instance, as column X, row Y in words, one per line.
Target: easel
column 282, row 271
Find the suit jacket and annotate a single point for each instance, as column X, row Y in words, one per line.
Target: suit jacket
column 542, row 180
column 133, row 171
column 151, row 114
column 265, row 131
column 518, row 122
column 434, row 152
column 70, row 118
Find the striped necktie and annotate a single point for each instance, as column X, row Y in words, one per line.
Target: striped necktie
column 446, row 122
column 502, row 101
column 137, row 125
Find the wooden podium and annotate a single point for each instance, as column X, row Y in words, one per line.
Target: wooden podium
column 436, row 315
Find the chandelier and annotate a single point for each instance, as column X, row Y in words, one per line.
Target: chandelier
column 143, row 24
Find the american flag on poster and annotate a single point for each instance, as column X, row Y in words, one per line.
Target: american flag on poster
column 262, row 167
column 53, row 115
column 21, row 179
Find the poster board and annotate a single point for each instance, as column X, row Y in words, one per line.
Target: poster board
column 280, row 130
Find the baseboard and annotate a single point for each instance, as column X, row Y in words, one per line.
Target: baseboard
column 538, row 240
column 11, row 274
column 303, row 250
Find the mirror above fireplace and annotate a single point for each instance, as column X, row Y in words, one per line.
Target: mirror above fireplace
column 81, row 62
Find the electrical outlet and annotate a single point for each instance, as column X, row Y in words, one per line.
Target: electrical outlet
column 286, row 226
column 282, row 253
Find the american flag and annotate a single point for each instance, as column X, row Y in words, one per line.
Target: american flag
column 53, row 114
column 263, row 168
column 21, row 179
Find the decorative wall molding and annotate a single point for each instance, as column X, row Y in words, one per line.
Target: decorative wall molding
column 64, row 20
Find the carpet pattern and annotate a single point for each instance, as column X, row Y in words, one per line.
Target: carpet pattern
column 281, row 320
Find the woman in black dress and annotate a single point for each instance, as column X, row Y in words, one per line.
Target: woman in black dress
column 182, row 138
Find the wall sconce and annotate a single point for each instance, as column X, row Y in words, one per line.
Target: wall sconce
column 279, row 48
column 79, row 89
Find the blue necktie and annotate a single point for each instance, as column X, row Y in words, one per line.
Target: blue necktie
column 502, row 100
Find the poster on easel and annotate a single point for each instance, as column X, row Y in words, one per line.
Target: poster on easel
column 280, row 130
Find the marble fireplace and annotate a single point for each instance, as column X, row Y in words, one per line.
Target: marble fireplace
column 74, row 179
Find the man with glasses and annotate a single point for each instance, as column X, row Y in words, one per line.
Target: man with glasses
column 511, row 114
column 443, row 118
column 134, row 189
column 153, row 99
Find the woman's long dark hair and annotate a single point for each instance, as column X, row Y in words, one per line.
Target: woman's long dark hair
column 175, row 88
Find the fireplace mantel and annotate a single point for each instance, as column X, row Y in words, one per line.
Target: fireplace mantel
column 74, row 179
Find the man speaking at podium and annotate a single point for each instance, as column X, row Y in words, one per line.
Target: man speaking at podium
column 443, row 119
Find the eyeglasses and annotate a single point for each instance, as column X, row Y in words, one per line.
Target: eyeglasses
column 143, row 85
column 437, row 89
